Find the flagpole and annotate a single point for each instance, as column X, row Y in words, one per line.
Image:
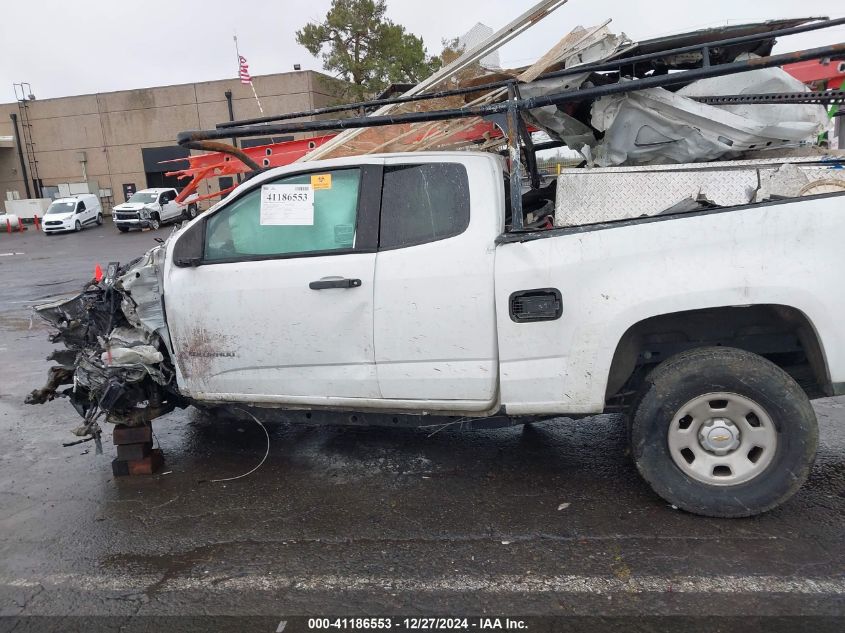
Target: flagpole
column 251, row 85
column 255, row 94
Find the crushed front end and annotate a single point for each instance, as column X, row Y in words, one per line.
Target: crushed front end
column 116, row 361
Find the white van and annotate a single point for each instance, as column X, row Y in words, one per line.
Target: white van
column 73, row 213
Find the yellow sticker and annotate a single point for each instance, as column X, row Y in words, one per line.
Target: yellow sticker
column 321, row 181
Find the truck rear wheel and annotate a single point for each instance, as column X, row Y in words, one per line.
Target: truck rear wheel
column 723, row 432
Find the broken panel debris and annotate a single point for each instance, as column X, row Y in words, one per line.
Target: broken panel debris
column 116, row 361
column 656, row 126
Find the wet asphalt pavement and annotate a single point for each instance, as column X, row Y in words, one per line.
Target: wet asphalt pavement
column 550, row 519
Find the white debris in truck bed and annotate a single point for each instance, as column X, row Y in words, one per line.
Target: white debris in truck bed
column 792, row 181
column 657, row 126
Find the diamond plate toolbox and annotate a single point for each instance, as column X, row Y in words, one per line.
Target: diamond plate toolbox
column 590, row 196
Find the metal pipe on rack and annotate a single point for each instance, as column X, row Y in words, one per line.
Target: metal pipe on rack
column 208, row 145
column 184, row 138
column 826, row 97
column 609, row 65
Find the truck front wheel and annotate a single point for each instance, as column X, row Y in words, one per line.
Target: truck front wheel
column 723, row 432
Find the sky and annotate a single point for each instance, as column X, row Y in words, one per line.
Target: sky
column 66, row 48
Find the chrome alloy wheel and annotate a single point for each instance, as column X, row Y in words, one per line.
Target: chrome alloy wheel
column 722, row 439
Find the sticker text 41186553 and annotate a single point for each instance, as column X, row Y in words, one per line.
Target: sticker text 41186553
column 287, row 205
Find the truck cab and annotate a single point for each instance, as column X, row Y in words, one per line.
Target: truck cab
column 384, row 296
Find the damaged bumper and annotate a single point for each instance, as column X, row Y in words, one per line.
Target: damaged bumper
column 133, row 223
column 116, row 357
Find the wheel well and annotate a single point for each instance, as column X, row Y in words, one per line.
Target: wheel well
column 779, row 333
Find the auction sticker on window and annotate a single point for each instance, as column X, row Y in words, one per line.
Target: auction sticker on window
column 287, row 205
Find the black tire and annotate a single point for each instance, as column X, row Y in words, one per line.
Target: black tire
column 99, row 219
column 155, row 223
column 684, row 377
column 77, row 227
column 123, row 229
column 191, row 211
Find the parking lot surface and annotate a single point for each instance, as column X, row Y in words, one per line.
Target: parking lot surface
column 549, row 519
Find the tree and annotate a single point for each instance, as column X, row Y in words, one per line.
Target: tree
column 366, row 49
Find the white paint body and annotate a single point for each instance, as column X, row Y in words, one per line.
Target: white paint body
column 435, row 314
column 788, row 254
column 429, row 328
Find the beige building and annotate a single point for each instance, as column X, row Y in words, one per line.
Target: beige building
column 116, row 140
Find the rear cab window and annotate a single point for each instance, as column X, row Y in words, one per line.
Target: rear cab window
column 423, row 203
column 321, row 218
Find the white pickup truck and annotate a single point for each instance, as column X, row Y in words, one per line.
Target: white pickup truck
column 150, row 208
column 392, row 284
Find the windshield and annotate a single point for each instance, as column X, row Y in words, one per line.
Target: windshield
column 143, row 198
column 61, row 207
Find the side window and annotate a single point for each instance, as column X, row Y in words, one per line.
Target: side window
column 322, row 218
column 81, row 207
column 423, row 203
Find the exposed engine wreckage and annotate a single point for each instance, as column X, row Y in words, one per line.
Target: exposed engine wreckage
column 117, row 357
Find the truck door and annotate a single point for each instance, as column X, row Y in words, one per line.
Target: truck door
column 81, row 212
column 280, row 306
column 435, row 323
column 169, row 209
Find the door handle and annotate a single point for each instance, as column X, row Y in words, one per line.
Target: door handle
column 334, row 283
